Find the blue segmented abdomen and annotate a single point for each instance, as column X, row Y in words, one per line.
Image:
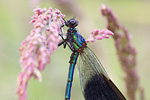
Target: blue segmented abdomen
column 73, row 60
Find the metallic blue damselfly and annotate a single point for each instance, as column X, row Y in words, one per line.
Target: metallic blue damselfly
column 95, row 83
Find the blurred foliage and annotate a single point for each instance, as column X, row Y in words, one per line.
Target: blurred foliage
column 14, row 27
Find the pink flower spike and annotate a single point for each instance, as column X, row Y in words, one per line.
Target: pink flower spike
column 37, row 74
column 36, row 49
column 99, row 35
column 57, row 11
column 32, row 21
column 107, row 36
column 125, row 51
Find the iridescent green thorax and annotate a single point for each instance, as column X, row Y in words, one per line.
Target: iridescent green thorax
column 78, row 41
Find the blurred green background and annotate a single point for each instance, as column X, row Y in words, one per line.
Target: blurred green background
column 14, row 27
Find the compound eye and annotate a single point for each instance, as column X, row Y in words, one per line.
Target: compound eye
column 72, row 21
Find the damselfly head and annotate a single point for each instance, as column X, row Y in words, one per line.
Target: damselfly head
column 71, row 23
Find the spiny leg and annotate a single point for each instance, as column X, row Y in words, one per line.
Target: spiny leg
column 65, row 41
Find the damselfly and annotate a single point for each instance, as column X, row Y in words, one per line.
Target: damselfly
column 95, row 83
